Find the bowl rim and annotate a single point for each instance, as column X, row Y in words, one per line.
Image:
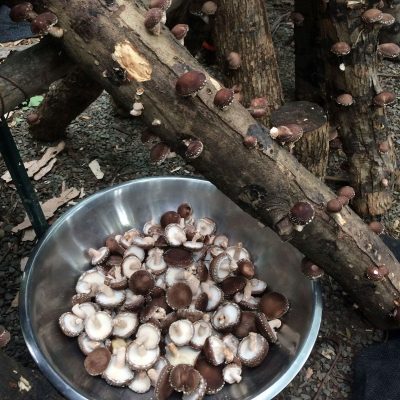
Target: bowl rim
column 72, row 394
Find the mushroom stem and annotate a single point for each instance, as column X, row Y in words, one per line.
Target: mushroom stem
column 275, row 323
column 196, row 237
column 120, row 323
column 120, row 361
column 78, row 321
column 153, row 375
column 238, row 250
column 173, row 349
column 228, row 355
column 252, row 341
column 117, row 273
column 339, row 219
column 247, row 291
column 76, row 309
column 236, row 375
column 201, row 330
column 106, row 290
column 182, row 222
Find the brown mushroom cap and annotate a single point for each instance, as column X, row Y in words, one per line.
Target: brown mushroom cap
column 253, row 349
column 178, row 258
column 190, row 83
column 334, row 206
column 289, row 133
column 194, row 149
column 234, row 60
column 179, row 296
column 169, row 217
column 345, row 100
column 267, row 328
column 184, row 378
column 371, row 16
column 247, row 324
column 163, row 389
column 212, row 375
column 21, row 12
column 389, row 50
column 141, row 282
column 377, row 227
column 344, row 200
column 346, row 191
column 246, row 268
column 310, row 269
column 233, row 284
column 97, row 361
column 302, row 213
column 41, row 24
column 180, row 31
column 163, row 4
column 376, row 273
column 185, row 210
column 152, row 20
column 387, row 19
column 159, row 152
column 274, row 305
column 340, row 49
column 384, row 99
column 223, row 98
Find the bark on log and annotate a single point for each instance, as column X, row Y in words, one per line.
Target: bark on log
column 309, row 71
column 362, row 126
column 265, row 181
column 31, row 70
column 242, row 27
column 312, row 150
column 19, row 383
column 65, row 100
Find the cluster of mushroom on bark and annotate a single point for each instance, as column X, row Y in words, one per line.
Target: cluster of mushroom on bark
column 175, row 306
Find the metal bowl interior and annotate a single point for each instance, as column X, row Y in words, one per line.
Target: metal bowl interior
column 60, row 257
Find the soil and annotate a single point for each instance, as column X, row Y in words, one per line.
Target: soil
column 115, row 143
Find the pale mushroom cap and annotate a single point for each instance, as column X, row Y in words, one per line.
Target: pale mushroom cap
column 148, row 335
column 181, row 355
column 140, row 358
column 141, row 382
column 124, row 324
column 117, row 372
column 99, row 326
column 181, row 332
column 70, row 324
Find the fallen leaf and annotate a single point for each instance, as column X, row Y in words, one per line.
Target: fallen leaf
column 29, row 235
column 45, row 170
column 35, row 101
column 95, row 168
column 175, row 169
column 23, row 262
column 7, row 176
column 309, row 373
column 50, row 207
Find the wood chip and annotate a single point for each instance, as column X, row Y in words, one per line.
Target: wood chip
column 23, row 262
column 309, row 373
column 45, row 170
column 95, row 168
column 50, row 207
column 29, row 235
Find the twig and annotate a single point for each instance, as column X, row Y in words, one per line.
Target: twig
column 338, row 348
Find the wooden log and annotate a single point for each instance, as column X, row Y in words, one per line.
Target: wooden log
column 312, row 150
column 362, row 126
column 30, row 72
column 65, row 100
column 265, row 180
column 20, row 383
column 242, row 27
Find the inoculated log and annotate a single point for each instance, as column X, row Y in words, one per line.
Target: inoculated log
column 65, row 100
column 265, row 180
column 350, row 42
column 312, row 150
column 246, row 52
column 30, row 72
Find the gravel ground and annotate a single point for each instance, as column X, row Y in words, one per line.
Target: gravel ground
column 114, row 142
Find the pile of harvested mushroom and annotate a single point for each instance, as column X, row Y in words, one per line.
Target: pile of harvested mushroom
column 175, row 306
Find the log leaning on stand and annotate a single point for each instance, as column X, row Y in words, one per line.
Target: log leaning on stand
column 265, row 181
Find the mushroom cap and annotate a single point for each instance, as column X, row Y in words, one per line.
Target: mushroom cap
column 199, row 392
column 226, row 317
column 117, row 372
column 302, row 213
column 97, row 361
column 184, row 378
column 125, row 324
column 224, row 98
column 168, row 320
column 163, row 4
column 179, row 295
column 253, row 349
column 384, row 147
column 389, row 50
column 175, row 235
column 86, row 344
column 234, row 60
column 214, row 294
column 212, row 375
column 247, row 302
column 340, row 49
column 377, row 227
column 347, row 191
column 194, row 149
column 265, row 329
column 110, row 298
column 181, row 355
column 159, row 152
column 250, row 141
column 202, row 330
column 148, row 335
column 221, row 267
column 201, row 302
column 334, row 206
column 345, row 100
column 205, row 226
column 170, row 217
column 114, row 247
column 181, row 332
column 233, row 284
column 41, row 24
column 372, row 15
column 310, row 269
column 231, row 343
column 246, row 324
column 141, row 282
column 258, row 286
column 88, row 281
column 213, row 350
column 99, row 256
column 209, row 8
column 185, row 210
column 232, row 373
column 70, row 324
column 133, row 302
column 153, row 18
column 139, row 358
column 176, row 257
column 384, row 99
column 246, row 268
column 289, row 133
column 99, row 326
column 191, row 314
column 163, row 389
column 387, row 19
column 21, row 12
column 190, row 83
column 374, row 273
column 180, row 31
column 274, row 305
column 141, row 382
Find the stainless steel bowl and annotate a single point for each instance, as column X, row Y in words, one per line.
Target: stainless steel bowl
column 60, row 257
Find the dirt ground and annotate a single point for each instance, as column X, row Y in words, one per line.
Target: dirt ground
column 115, row 143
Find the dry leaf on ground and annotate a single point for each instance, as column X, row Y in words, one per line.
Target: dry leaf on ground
column 95, row 168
